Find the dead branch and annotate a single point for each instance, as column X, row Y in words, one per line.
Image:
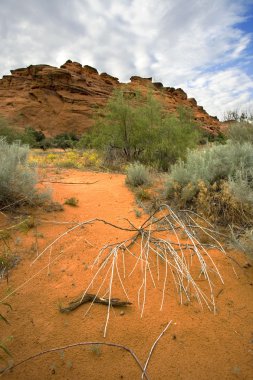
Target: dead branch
column 155, row 248
column 115, row 302
column 131, row 352
column 153, row 347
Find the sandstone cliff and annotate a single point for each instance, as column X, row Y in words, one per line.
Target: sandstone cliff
column 56, row 100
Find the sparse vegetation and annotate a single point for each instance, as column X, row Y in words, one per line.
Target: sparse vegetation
column 138, row 175
column 138, row 213
column 95, row 349
column 71, row 202
column 28, row 136
column 142, row 194
column 36, row 138
column 70, row 159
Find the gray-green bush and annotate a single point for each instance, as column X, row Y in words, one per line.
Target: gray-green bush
column 213, row 163
column 138, row 175
column 216, row 181
column 17, row 177
column 241, row 132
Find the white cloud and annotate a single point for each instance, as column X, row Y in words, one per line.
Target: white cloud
column 182, row 44
column 223, row 91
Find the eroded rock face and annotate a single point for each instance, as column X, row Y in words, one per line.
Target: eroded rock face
column 57, row 100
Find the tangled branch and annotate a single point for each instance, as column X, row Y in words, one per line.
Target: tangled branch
column 159, row 252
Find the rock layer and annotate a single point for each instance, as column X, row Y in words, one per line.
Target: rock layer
column 56, row 100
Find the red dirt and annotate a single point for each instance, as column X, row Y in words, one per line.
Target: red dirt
column 198, row 344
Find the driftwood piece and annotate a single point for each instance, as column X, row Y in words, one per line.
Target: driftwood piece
column 95, row 299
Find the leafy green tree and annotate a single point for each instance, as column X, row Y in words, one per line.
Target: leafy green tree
column 138, row 128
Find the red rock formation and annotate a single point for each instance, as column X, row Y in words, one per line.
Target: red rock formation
column 57, row 100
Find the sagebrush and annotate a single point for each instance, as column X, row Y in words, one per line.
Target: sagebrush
column 216, row 181
column 138, row 175
column 17, row 177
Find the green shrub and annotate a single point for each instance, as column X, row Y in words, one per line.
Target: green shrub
column 71, row 202
column 241, row 184
column 137, row 128
column 241, row 132
column 142, row 194
column 216, row 181
column 29, row 136
column 212, row 164
column 137, row 175
column 65, row 140
column 17, row 178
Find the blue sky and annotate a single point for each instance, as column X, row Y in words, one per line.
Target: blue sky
column 202, row 46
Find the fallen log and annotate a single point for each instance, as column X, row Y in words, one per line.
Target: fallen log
column 115, row 302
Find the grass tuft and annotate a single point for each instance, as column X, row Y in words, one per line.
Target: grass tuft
column 138, row 175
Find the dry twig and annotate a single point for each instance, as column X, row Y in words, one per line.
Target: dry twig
column 94, row 299
column 132, row 353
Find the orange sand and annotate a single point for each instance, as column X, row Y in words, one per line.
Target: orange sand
column 198, row 344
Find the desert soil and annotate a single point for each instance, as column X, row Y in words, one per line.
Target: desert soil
column 198, row 344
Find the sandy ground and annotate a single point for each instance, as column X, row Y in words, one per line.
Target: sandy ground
column 197, row 345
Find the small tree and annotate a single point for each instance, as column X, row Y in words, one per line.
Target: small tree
column 139, row 129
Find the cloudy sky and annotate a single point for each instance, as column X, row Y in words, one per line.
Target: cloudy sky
column 202, row 46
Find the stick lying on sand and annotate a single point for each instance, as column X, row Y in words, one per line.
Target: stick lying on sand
column 69, row 183
column 92, row 298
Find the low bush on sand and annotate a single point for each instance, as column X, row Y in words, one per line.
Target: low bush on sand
column 216, row 182
column 138, row 175
column 17, row 177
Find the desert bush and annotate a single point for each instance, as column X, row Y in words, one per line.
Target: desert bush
column 29, row 136
column 212, row 164
column 65, row 140
column 66, row 164
column 137, row 128
column 241, row 132
column 137, row 175
column 71, row 202
column 241, row 184
column 217, row 182
column 17, row 177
